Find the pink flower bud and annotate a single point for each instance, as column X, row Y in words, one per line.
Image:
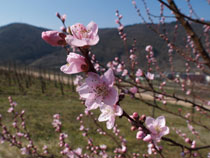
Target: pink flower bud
column 133, row 128
column 148, row 138
column 148, row 48
column 133, row 90
column 139, row 135
column 54, row 38
column 187, row 140
column 58, row 15
column 142, row 118
column 135, row 115
column 75, row 64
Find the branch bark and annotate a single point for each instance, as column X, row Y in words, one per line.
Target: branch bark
column 197, row 42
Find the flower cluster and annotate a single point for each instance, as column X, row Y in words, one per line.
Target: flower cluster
column 96, row 91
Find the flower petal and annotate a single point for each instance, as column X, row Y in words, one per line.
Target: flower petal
column 110, row 123
column 149, row 121
column 112, row 97
column 93, row 41
column 91, row 103
column 104, row 117
column 165, row 131
column 71, row 40
column 161, row 121
column 93, row 79
column 84, row 91
column 118, row 111
column 108, row 77
column 93, row 27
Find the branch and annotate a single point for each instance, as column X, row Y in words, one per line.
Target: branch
column 185, row 16
column 181, row 18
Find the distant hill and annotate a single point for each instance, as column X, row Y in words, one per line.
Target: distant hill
column 22, row 43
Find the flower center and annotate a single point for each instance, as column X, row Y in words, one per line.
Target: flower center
column 109, row 111
column 158, row 129
column 102, row 90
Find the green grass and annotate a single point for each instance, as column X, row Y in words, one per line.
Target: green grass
column 40, row 109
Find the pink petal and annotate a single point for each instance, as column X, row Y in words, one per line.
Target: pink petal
column 65, row 68
column 72, row 68
column 76, row 29
column 161, row 121
column 133, row 90
column 78, row 151
column 148, row 48
column 74, row 41
column 147, row 138
column 165, row 131
column 93, row 27
column 152, row 129
column 104, row 117
column 108, row 77
column 84, row 91
column 139, row 73
column 75, row 64
column 118, row 111
column 51, row 37
column 149, row 121
column 91, row 103
column 93, row 41
column 112, row 97
column 74, row 56
column 93, row 79
column 110, row 123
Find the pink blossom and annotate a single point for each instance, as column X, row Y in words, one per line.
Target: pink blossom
column 56, row 116
column 123, row 149
column 19, row 134
column 54, row 38
column 133, row 90
column 78, row 80
column 103, row 146
column 125, row 72
column 150, row 76
column 133, row 2
column 109, row 65
column 188, row 92
column 193, row 145
column 75, row 153
column 139, row 73
column 132, row 56
column 108, row 114
column 139, row 135
column 98, row 90
column 83, row 36
column 150, row 147
column 2, row 140
column 11, row 109
column 148, row 138
column 24, row 151
column 119, row 68
column 75, row 64
column 157, row 127
column 72, row 153
column 148, row 48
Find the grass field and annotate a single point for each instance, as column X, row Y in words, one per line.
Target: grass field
column 40, row 108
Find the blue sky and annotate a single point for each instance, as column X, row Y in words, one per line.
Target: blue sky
column 42, row 12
